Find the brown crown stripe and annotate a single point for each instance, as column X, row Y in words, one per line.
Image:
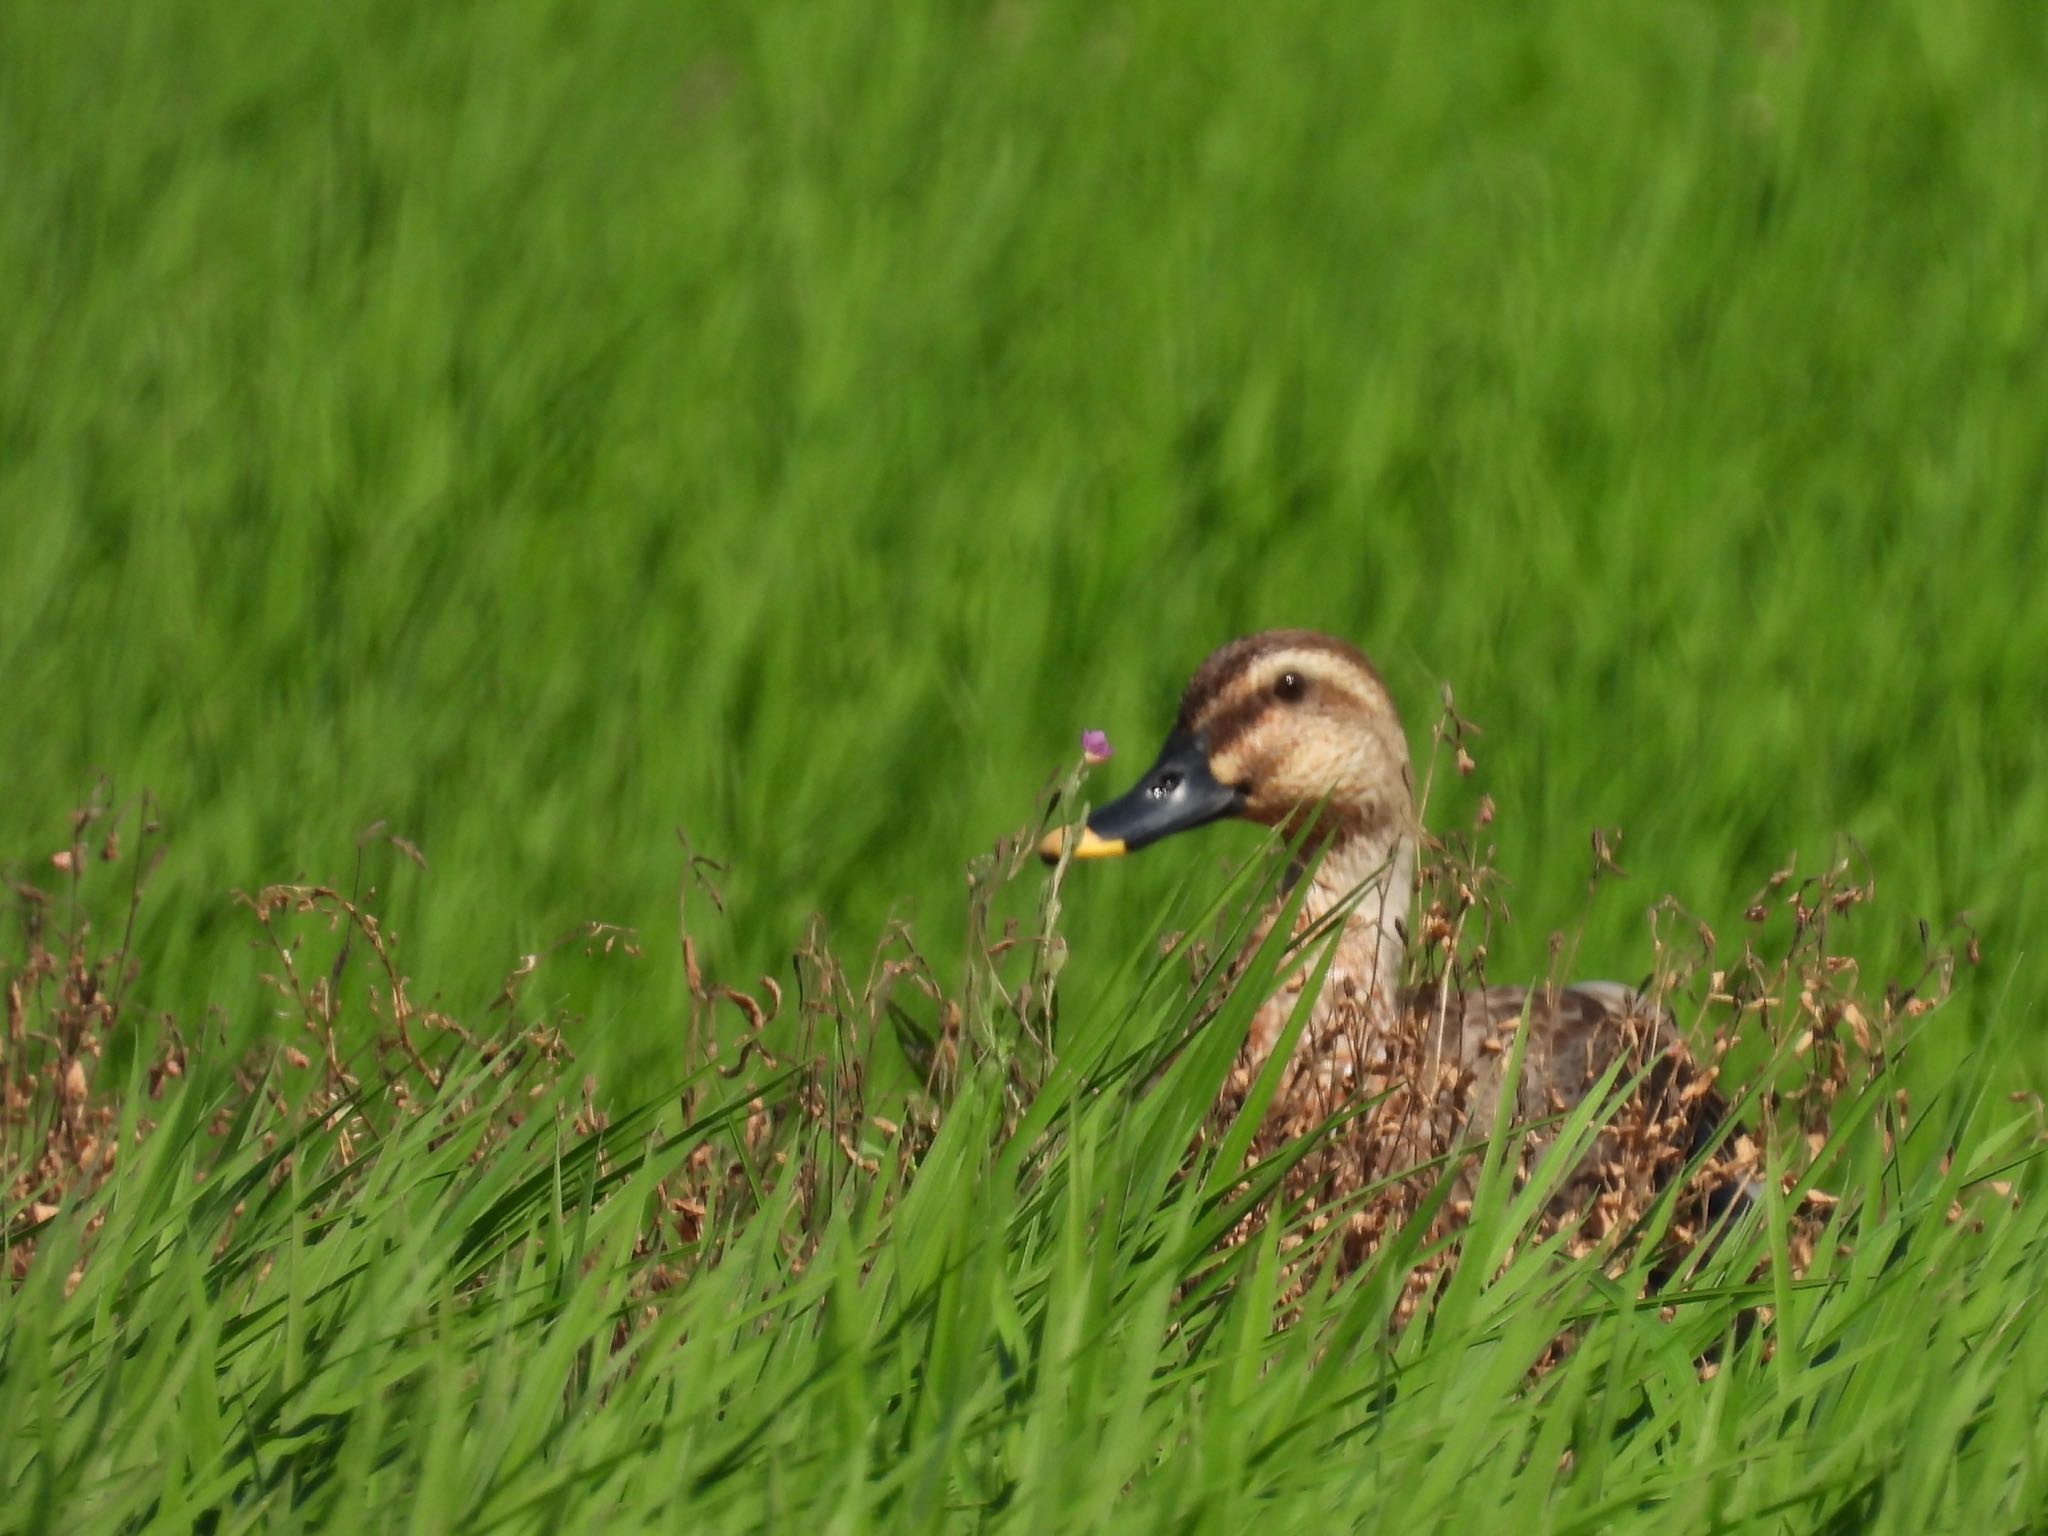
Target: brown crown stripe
column 1227, row 695
column 1233, row 660
column 1248, row 709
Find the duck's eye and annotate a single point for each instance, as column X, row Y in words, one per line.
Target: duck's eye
column 1291, row 687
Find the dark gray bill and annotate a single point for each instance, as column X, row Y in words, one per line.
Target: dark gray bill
column 1176, row 793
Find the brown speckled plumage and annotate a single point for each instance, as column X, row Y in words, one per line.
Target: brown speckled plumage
column 1299, row 726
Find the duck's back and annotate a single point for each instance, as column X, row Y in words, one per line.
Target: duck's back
column 1575, row 1034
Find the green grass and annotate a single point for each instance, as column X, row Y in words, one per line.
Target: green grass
column 1025, row 1325
column 541, row 428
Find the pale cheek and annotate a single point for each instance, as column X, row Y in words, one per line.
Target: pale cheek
column 1302, row 763
column 1316, row 769
column 1310, row 772
column 1352, row 777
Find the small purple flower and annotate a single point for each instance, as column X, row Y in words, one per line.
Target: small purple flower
column 1095, row 746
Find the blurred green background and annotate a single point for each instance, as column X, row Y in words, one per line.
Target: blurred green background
column 543, row 426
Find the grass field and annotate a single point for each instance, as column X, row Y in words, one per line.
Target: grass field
column 541, row 429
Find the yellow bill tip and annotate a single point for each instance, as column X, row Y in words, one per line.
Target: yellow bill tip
column 1087, row 846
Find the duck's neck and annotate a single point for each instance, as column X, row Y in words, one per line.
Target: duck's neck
column 1372, row 873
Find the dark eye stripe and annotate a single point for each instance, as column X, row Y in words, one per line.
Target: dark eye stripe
column 1229, row 665
column 1242, row 710
column 1225, row 726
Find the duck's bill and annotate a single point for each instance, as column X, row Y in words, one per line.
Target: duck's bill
column 1177, row 792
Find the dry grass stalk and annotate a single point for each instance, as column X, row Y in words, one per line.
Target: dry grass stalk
column 798, row 1060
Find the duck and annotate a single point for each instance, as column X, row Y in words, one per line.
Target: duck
column 1296, row 730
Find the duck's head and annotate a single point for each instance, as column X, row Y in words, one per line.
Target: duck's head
column 1272, row 727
